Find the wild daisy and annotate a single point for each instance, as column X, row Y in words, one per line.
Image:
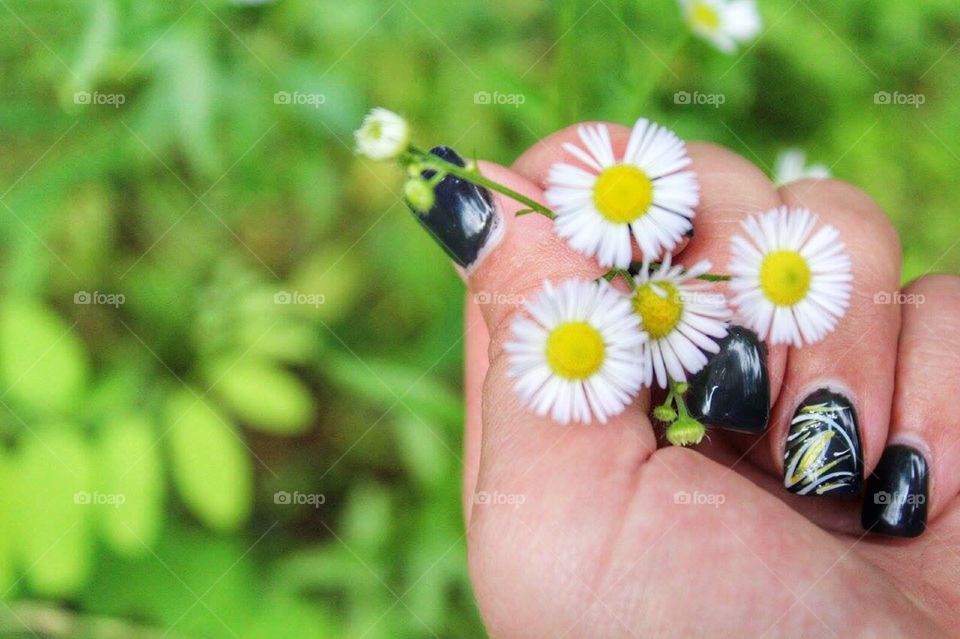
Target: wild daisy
column 723, row 23
column 577, row 355
column 789, row 282
column 646, row 194
column 383, row 135
column 791, row 165
column 682, row 318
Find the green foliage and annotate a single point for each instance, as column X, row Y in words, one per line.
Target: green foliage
column 53, row 514
column 42, row 361
column 130, row 465
column 209, row 462
column 212, row 310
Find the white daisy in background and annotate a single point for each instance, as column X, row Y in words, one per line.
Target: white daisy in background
column 682, row 318
column 383, row 135
column 646, row 194
column 723, row 23
column 791, row 165
column 789, row 282
column 577, row 357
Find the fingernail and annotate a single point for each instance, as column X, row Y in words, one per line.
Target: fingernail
column 823, row 454
column 895, row 502
column 463, row 217
column 733, row 390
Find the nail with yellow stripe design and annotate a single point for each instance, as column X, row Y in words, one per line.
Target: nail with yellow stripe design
column 823, row 453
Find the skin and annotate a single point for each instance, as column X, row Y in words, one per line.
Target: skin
column 584, row 537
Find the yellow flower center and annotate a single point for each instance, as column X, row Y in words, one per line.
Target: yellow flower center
column 623, row 193
column 659, row 310
column 575, row 350
column 705, row 17
column 785, row 277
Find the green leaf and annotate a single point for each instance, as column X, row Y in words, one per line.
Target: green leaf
column 262, row 394
column 209, row 462
column 423, row 450
column 394, row 385
column 6, row 534
column 52, row 511
column 42, row 360
column 129, row 465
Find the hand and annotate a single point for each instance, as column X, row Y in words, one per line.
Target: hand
column 594, row 531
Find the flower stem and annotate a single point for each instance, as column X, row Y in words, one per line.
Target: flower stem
column 708, row 277
column 440, row 165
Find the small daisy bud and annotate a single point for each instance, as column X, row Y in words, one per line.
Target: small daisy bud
column 384, row 135
column 419, row 194
column 681, row 388
column 686, row 431
column 665, row 414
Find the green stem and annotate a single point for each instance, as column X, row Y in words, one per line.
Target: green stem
column 708, row 277
column 442, row 166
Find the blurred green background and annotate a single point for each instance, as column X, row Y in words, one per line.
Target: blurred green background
column 229, row 358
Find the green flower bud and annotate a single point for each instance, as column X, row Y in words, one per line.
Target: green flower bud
column 419, row 194
column 686, row 431
column 665, row 414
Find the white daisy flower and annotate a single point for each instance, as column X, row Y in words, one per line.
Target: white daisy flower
column 383, row 135
column 682, row 318
column 645, row 193
column 577, row 357
column 791, row 165
column 790, row 283
column 723, row 23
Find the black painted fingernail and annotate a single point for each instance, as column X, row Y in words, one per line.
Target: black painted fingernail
column 463, row 216
column 733, row 390
column 823, row 455
column 895, row 502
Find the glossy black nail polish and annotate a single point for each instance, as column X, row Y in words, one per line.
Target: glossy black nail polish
column 733, row 390
column 463, row 216
column 823, row 453
column 895, row 502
